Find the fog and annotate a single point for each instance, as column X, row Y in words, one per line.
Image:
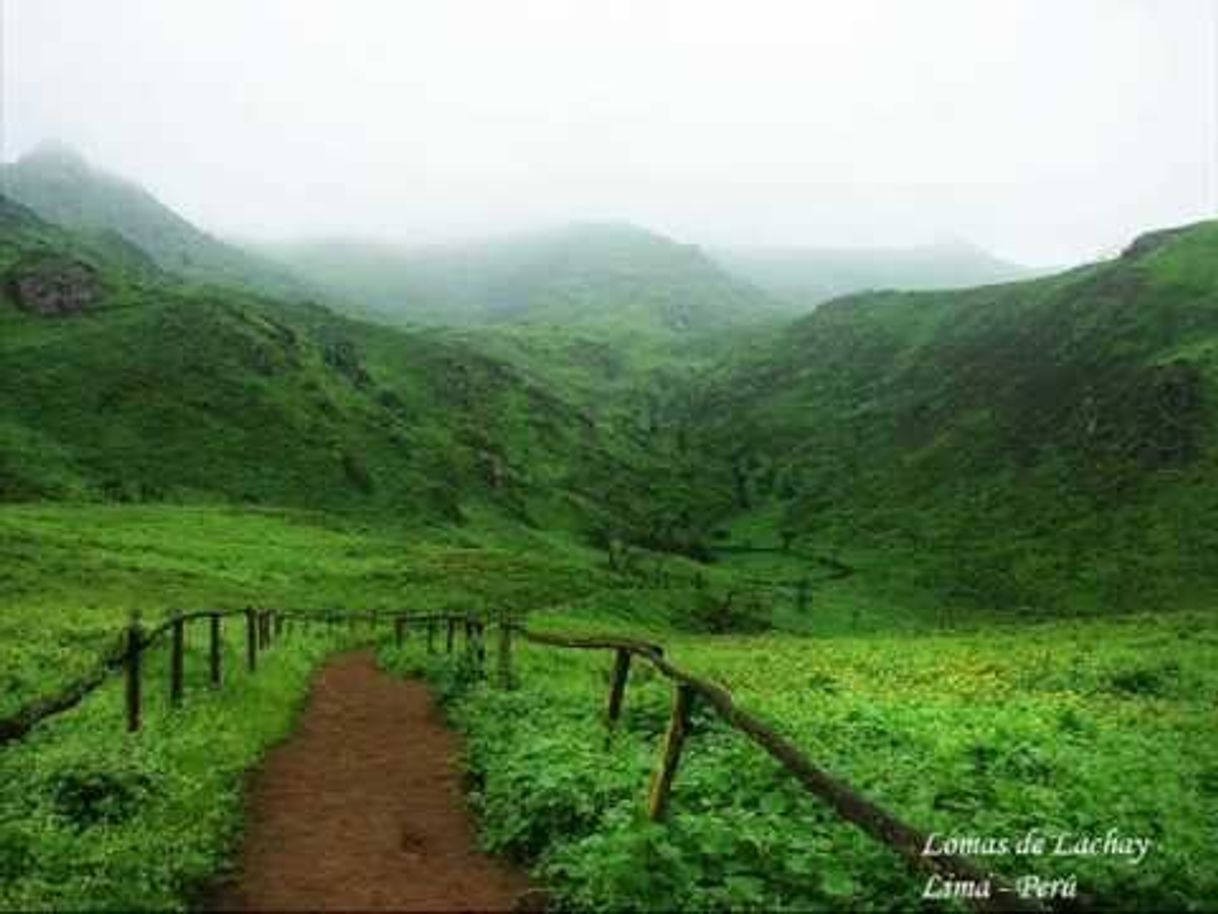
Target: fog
column 1047, row 132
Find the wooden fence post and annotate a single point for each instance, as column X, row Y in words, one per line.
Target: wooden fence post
column 214, row 651
column 431, row 636
column 176, row 660
column 480, row 627
column 134, row 647
column 251, row 638
column 505, row 654
column 617, row 690
column 452, row 629
column 670, row 757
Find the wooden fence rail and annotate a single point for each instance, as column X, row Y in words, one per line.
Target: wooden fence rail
column 30, row 715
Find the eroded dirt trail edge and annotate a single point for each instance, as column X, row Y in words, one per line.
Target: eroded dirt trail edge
column 361, row 809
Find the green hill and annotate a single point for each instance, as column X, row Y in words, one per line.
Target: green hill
column 609, row 277
column 610, row 316
column 141, row 387
column 590, row 313
column 61, row 187
column 805, row 277
column 1041, row 444
column 1045, row 444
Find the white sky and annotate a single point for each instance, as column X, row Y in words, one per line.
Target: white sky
column 1046, row 131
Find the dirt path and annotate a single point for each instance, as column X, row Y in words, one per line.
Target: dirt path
column 362, row 810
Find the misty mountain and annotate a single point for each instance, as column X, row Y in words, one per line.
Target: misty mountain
column 808, row 276
column 598, row 275
column 1026, row 444
column 61, row 187
column 122, row 382
column 1019, row 443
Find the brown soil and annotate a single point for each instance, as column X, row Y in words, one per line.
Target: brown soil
column 362, row 809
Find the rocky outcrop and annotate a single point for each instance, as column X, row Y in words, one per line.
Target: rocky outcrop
column 55, row 288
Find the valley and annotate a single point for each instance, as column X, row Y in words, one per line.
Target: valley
column 956, row 544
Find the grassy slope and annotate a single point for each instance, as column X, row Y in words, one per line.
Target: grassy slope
column 88, row 811
column 1046, row 445
column 73, row 574
column 999, row 729
column 185, row 393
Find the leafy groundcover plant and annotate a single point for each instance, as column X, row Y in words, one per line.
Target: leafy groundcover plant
column 1071, row 728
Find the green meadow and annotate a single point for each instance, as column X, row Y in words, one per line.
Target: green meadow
column 1065, row 729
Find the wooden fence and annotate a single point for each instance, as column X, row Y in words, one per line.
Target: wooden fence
column 904, row 839
column 265, row 627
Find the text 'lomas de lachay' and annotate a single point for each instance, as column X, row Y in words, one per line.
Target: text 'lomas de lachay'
column 1033, row 843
